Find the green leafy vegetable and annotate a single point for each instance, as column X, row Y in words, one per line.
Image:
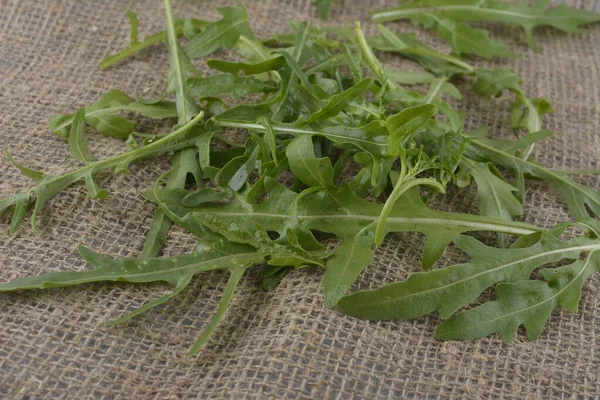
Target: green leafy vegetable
column 314, row 150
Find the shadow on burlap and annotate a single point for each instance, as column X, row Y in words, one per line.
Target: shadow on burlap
column 278, row 344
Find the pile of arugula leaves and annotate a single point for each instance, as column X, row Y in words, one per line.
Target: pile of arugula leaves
column 336, row 143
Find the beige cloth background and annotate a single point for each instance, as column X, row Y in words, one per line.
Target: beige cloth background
column 278, row 344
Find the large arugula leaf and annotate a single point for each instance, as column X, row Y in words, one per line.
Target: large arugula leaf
column 177, row 271
column 445, row 290
column 525, row 302
column 520, row 14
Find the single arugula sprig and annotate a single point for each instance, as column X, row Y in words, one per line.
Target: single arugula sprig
column 47, row 186
column 448, row 19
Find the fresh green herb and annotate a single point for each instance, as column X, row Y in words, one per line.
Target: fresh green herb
column 329, row 140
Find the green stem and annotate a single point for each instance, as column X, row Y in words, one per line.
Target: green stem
column 163, row 145
column 372, row 61
column 147, row 150
column 135, row 48
column 578, row 171
column 398, row 191
column 431, row 53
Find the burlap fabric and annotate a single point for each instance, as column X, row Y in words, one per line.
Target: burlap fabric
column 278, row 344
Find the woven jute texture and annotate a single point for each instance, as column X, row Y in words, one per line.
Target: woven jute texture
column 279, row 344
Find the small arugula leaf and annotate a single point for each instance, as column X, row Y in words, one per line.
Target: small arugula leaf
column 324, row 7
column 235, row 173
column 493, row 82
column 188, row 27
column 77, row 142
column 402, row 125
column 445, row 290
column 528, row 17
column 234, row 68
column 236, row 87
column 272, row 275
column 312, row 171
column 100, row 115
column 134, row 22
column 340, row 101
column 438, row 87
column 222, row 33
column 350, row 258
column 526, row 302
column 409, row 46
column 496, row 197
column 577, row 196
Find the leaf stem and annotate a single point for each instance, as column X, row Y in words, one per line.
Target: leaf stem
column 372, row 61
column 135, row 48
column 405, row 182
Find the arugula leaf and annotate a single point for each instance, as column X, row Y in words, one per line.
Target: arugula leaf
column 527, row 303
column 496, row 197
column 445, row 290
column 528, row 17
column 324, row 7
column 77, row 142
column 100, row 115
column 177, row 271
column 409, row 46
column 222, row 33
column 339, row 101
column 312, row 171
column 235, row 86
column 46, row 186
column 577, row 196
column 235, row 68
